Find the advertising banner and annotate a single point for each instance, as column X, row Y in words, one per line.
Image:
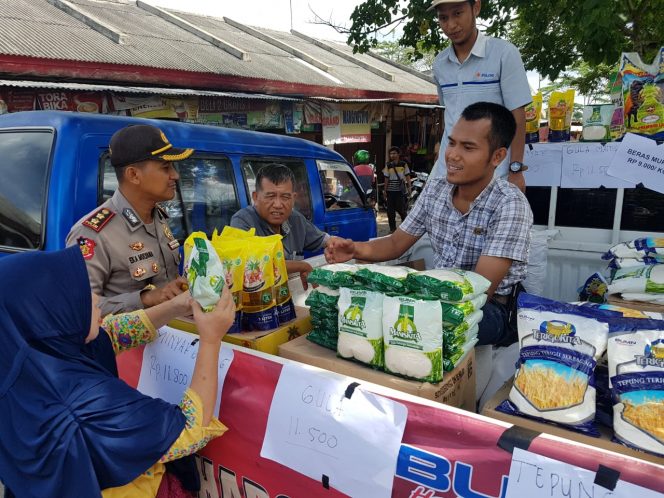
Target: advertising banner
column 355, row 123
column 443, row 452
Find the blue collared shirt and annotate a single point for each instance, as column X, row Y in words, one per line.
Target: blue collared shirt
column 492, row 72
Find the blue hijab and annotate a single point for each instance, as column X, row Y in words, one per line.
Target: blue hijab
column 68, row 426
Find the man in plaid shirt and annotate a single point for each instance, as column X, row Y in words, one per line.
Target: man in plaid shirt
column 475, row 222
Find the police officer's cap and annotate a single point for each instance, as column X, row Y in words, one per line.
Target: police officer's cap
column 137, row 143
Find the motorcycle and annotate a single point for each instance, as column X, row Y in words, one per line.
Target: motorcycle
column 417, row 182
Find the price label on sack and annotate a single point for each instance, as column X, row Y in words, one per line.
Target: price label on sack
column 347, row 438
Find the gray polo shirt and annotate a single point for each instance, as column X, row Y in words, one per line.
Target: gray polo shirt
column 298, row 233
column 493, row 72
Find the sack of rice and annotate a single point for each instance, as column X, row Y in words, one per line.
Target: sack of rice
column 559, row 347
column 447, row 285
column 643, row 296
column 361, row 326
column 413, row 339
column 637, row 248
column 333, row 276
column 323, row 312
column 645, row 279
column 455, row 313
column 389, row 280
column 636, row 373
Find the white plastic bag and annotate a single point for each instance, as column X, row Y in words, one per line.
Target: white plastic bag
column 205, row 274
column 537, row 261
column 360, row 321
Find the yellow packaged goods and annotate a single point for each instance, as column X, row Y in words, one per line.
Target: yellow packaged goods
column 234, row 233
column 232, row 252
column 259, row 307
column 559, row 344
column 533, row 113
column 561, row 106
column 285, row 306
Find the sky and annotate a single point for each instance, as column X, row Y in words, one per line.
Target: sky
column 276, row 14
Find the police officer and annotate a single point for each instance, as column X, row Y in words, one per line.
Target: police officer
column 131, row 254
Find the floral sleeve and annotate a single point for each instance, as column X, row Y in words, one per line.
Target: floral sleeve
column 129, row 330
column 194, row 436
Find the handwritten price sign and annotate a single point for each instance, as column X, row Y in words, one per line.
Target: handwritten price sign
column 168, row 364
column 640, row 160
column 586, row 165
column 318, row 429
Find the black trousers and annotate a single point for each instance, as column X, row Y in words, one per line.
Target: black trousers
column 395, row 204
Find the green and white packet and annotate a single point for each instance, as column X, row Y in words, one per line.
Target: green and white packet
column 205, row 274
column 413, row 339
column 360, row 326
column 455, row 313
column 450, row 285
column 333, row 276
column 646, row 279
column 383, row 278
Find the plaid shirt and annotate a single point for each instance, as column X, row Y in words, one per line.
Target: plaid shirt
column 497, row 224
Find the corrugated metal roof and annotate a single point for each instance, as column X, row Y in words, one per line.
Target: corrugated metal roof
column 38, row 29
column 82, row 87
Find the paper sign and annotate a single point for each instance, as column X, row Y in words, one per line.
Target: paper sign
column 544, row 163
column 168, row 365
column 585, row 165
column 315, row 429
column 640, row 160
column 535, row 476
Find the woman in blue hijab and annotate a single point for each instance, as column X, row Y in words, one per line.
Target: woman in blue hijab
column 68, row 426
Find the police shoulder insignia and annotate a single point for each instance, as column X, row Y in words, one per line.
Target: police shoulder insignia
column 131, row 217
column 98, row 219
column 87, row 247
column 162, row 212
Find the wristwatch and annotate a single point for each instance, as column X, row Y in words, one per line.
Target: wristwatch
column 516, row 166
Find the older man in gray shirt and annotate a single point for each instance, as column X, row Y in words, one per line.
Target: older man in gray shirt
column 272, row 213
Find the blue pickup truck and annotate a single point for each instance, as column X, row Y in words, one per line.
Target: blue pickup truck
column 55, row 167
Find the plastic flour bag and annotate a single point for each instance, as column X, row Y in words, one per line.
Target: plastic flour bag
column 205, row 274
column 447, row 285
column 646, row 279
column 637, row 248
column 636, row 373
column 559, row 347
column 361, row 326
column 413, row 338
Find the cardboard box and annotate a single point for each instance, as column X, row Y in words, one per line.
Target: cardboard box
column 457, row 388
column 267, row 341
column 635, row 305
column 604, row 441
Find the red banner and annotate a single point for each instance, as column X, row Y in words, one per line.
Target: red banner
column 444, row 452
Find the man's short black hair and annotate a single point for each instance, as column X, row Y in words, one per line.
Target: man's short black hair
column 275, row 173
column 395, row 149
column 503, row 124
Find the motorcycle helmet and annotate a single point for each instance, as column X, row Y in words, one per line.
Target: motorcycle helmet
column 361, row 157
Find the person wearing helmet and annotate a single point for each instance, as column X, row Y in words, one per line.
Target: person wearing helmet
column 364, row 169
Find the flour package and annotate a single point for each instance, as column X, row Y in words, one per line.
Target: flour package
column 643, row 296
column 413, row 339
column 643, row 280
column 360, row 322
column 652, row 259
column 455, row 313
column 637, row 248
column 559, row 345
column 389, row 280
column 636, row 373
column 205, row 274
column 333, row 276
column 447, row 285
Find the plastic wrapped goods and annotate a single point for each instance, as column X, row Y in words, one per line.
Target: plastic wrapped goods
column 361, row 326
column 447, row 285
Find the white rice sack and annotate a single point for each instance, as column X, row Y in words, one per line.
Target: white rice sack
column 637, row 248
column 450, row 285
column 205, row 274
column 361, row 326
column 455, row 313
column 636, row 373
column 646, row 279
column 412, row 331
column 559, row 347
column 642, row 296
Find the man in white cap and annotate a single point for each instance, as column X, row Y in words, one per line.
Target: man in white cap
column 479, row 68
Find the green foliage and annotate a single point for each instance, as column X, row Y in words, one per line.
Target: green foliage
column 552, row 35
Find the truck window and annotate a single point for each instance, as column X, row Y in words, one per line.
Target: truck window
column 340, row 189
column 251, row 165
column 24, row 168
column 207, row 194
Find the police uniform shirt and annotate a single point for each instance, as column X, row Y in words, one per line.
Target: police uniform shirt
column 123, row 255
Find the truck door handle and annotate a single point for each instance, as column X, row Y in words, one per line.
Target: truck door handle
column 332, row 229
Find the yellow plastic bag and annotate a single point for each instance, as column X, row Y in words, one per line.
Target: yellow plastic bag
column 285, row 306
column 533, row 113
column 258, row 301
column 232, row 255
column 561, row 106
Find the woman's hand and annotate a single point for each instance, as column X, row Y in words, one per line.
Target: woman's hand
column 212, row 326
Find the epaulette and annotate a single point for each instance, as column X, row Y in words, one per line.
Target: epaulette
column 162, row 211
column 98, row 219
